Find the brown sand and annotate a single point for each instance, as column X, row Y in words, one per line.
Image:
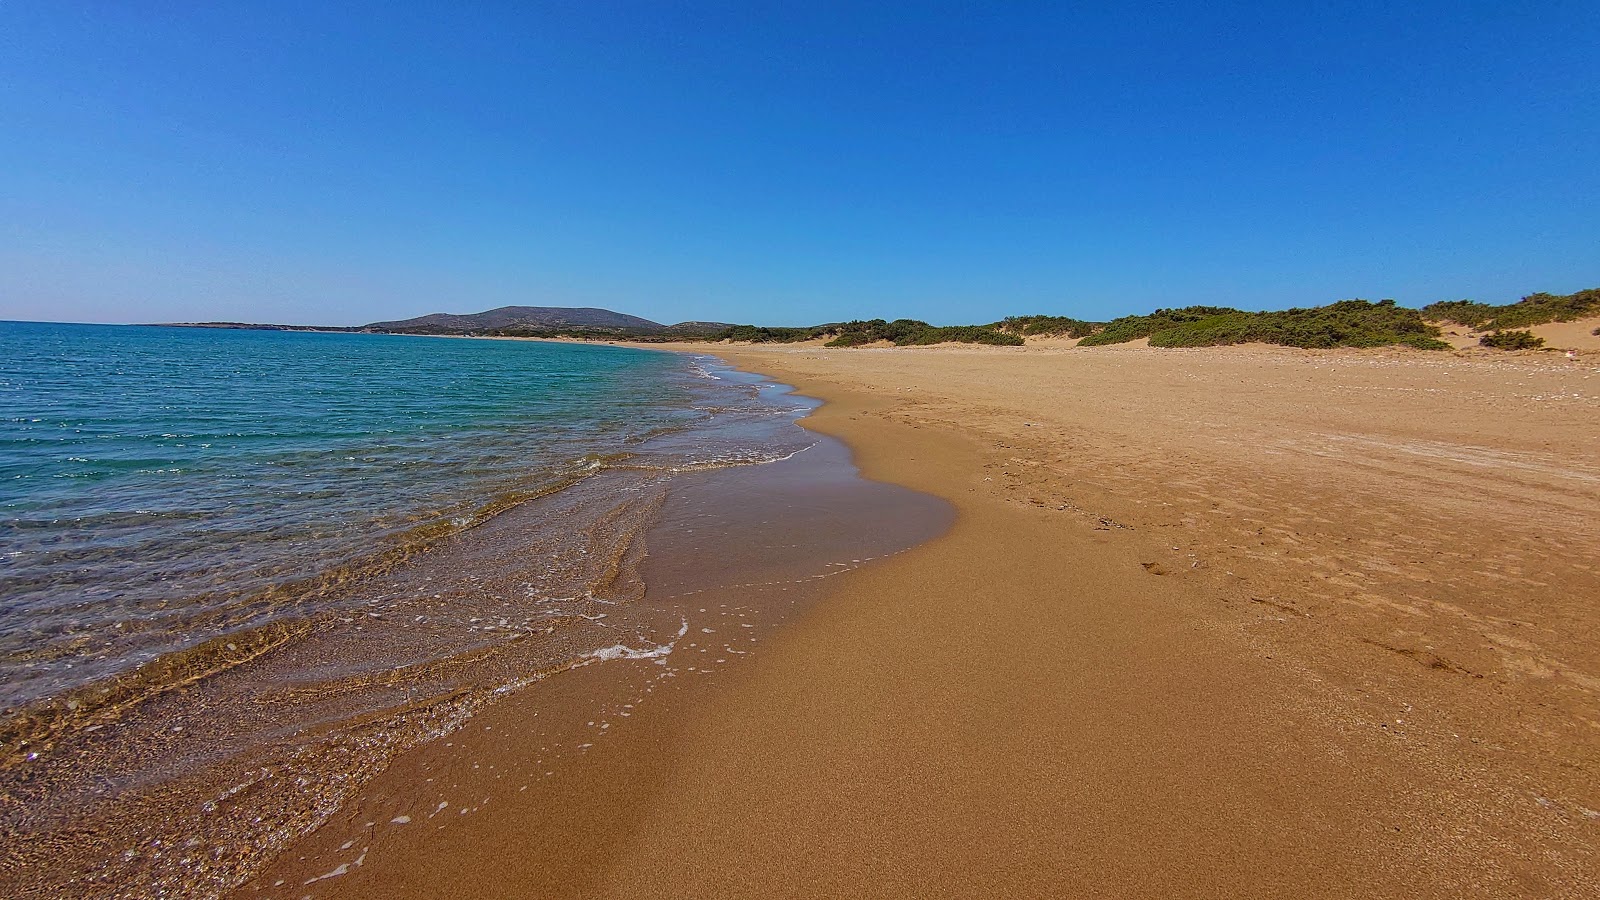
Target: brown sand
column 1244, row 622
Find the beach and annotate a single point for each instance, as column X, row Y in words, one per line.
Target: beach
column 611, row 451
column 262, row 602
column 1248, row 622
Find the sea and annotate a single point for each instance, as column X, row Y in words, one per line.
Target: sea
column 240, row 570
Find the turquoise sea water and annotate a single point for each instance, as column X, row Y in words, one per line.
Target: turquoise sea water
column 154, row 481
column 241, row 572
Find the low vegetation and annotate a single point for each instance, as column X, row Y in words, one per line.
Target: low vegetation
column 914, row 333
column 1348, row 323
column 1050, row 326
column 900, row 332
column 1132, row 328
column 1534, row 309
column 1511, row 340
column 762, row 335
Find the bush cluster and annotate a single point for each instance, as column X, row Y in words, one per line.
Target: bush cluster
column 1348, row 323
column 1534, row 309
column 1132, row 328
column 901, row 332
column 1062, row 326
column 1511, row 340
column 912, row 332
column 762, row 335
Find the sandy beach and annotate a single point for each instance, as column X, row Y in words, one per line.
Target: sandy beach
column 556, row 451
column 1229, row 622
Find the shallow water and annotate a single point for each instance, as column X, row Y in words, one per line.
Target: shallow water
column 325, row 607
column 155, row 482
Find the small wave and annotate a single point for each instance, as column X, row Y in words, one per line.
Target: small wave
column 33, row 725
column 726, row 462
column 721, row 462
column 654, row 651
column 30, row 731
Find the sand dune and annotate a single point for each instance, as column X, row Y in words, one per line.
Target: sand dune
column 1579, row 335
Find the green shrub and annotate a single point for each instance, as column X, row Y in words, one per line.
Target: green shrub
column 1349, row 323
column 911, row 332
column 1048, row 325
column 1131, row 328
column 1512, row 340
column 765, row 335
column 1462, row 312
column 851, row 339
column 967, row 334
column 1534, row 309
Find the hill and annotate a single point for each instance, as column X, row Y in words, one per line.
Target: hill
column 522, row 318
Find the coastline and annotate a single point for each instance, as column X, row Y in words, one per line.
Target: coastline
column 1148, row 706
column 234, row 750
column 1096, row 682
column 738, row 552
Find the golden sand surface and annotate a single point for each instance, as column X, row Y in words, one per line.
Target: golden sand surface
column 1239, row 622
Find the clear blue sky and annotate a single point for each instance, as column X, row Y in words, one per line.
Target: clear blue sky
column 789, row 163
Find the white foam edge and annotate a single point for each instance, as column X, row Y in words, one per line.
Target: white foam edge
column 623, row 651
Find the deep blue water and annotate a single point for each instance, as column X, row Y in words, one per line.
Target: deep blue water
column 154, row 480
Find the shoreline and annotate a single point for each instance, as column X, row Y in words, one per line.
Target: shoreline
column 1098, row 682
column 1479, row 765
column 220, row 768
column 739, row 552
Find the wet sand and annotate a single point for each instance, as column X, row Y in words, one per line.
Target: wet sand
column 1242, row 622
column 543, row 782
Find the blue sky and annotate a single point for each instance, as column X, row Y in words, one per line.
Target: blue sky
column 789, row 163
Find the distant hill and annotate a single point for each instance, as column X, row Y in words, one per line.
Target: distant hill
column 523, row 318
column 256, row 326
column 514, row 321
